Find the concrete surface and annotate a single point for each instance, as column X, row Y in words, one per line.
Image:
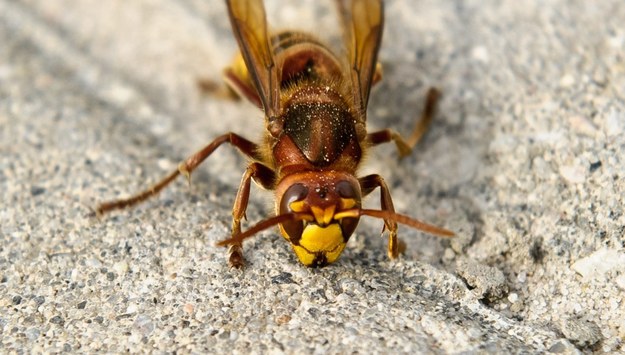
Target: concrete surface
column 524, row 161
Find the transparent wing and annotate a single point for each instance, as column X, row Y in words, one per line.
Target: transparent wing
column 249, row 25
column 363, row 21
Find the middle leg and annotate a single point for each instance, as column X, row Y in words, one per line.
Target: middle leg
column 368, row 184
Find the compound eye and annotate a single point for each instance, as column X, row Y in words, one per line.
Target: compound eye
column 349, row 195
column 346, row 190
column 288, row 204
column 294, row 193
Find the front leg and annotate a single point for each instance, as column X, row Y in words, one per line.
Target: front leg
column 368, row 184
column 263, row 176
column 185, row 168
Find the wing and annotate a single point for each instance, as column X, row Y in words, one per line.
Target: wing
column 363, row 21
column 249, row 25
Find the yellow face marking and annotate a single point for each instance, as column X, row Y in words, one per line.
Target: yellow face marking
column 347, row 203
column 316, row 239
column 331, row 256
column 304, row 256
column 317, row 213
column 328, row 214
column 323, row 216
column 297, row 206
column 346, row 214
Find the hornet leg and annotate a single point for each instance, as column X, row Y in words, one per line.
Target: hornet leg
column 185, row 168
column 263, row 176
column 368, row 184
column 404, row 146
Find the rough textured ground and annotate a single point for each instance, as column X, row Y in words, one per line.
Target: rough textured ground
column 524, row 161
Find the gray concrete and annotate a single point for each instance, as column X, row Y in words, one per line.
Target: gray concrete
column 524, row 161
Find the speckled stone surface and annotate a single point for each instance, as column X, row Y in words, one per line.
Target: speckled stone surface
column 524, row 161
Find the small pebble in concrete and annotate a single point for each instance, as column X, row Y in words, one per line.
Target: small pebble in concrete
column 580, row 332
column 487, row 282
